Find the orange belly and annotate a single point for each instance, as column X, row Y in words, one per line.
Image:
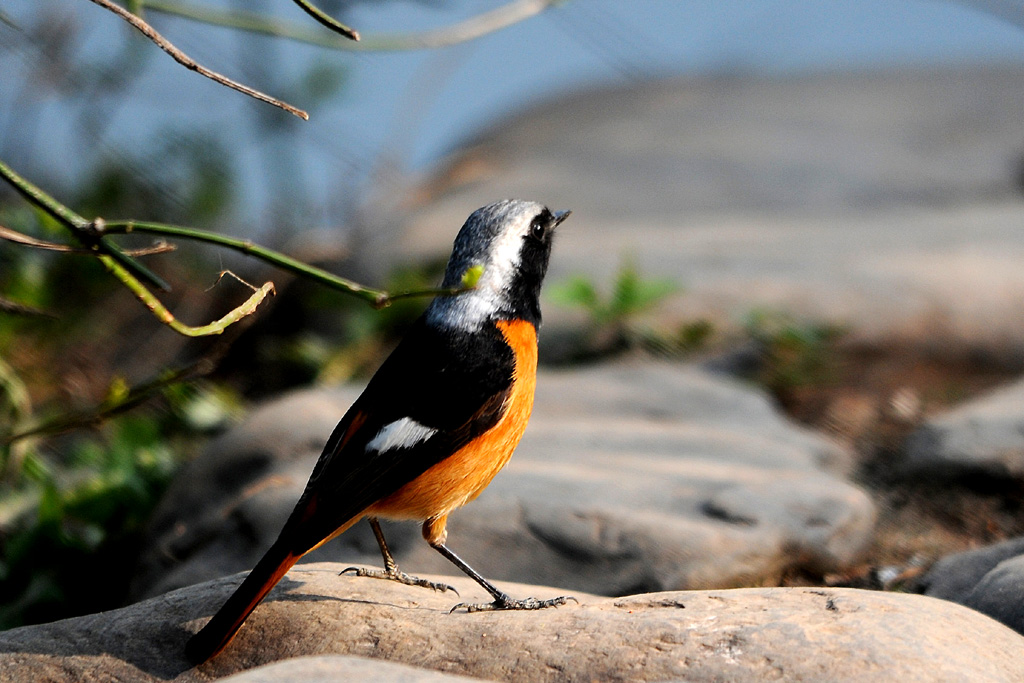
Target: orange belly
column 462, row 476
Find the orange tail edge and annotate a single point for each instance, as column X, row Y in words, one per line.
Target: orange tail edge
column 221, row 629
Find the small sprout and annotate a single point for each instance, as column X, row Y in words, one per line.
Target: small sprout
column 118, row 391
column 631, row 295
column 472, row 276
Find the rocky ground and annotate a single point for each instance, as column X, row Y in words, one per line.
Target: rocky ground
column 750, row 634
column 884, row 204
column 633, row 477
column 887, row 205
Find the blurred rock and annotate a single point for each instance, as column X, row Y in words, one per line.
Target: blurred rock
column 984, row 435
column 955, row 576
column 632, row 477
column 990, row 580
column 750, row 634
column 998, row 594
column 888, row 201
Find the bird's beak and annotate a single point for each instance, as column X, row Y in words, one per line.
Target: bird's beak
column 559, row 217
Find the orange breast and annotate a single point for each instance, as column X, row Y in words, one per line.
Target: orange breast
column 461, row 477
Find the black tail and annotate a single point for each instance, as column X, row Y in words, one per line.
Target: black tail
column 219, row 631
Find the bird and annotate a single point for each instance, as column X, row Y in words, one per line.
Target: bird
column 436, row 422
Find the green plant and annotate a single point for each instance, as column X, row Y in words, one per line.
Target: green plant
column 72, row 510
column 792, row 353
column 630, row 295
column 66, row 525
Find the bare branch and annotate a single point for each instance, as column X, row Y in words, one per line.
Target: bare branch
column 464, row 31
column 159, row 247
column 375, row 297
column 248, row 307
column 93, row 234
column 327, row 20
column 84, row 231
column 117, row 262
column 470, row 29
column 191, row 64
column 18, row 308
column 113, row 406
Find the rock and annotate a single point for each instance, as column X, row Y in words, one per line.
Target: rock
column 982, row 436
column 633, row 477
column 990, row 580
column 749, row 634
column 955, row 577
column 886, row 201
column 331, row 668
column 998, row 593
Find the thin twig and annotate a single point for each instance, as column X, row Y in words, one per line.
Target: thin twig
column 464, row 31
column 191, row 64
column 6, row 20
column 133, row 397
column 248, row 307
column 327, row 20
column 160, row 247
column 83, row 230
column 18, row 308
column 469, row 29
column 91, row 234
column 376, row 297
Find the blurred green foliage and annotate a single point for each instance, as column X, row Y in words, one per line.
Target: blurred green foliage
column 73, row 508
column 630, row 295
column 66, row 525
column 613, row 325
column 74, row 503
column 370, row 334
column 793, row 353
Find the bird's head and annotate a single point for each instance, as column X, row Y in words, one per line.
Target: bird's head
column 511, row 241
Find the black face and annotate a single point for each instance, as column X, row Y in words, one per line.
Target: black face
column 533, row 265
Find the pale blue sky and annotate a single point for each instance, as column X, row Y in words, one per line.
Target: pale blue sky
column 413, row 106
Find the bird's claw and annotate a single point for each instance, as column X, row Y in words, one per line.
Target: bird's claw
column 507, row 603
column 400, row 577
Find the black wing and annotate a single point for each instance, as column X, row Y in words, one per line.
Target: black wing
column 450, row 381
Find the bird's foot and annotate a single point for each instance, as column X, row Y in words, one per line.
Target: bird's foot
column 400, row 577
column 507, row 603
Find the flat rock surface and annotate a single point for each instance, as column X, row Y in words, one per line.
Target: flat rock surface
column 888, row 201
column 754, row 634
column 632, row 477
column 984, row 435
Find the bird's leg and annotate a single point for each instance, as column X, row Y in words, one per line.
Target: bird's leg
column 391, row 571
column 436, row 535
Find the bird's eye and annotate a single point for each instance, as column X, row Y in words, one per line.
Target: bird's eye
column 537, row 228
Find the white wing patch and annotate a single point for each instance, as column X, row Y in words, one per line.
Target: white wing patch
column 404, row 433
